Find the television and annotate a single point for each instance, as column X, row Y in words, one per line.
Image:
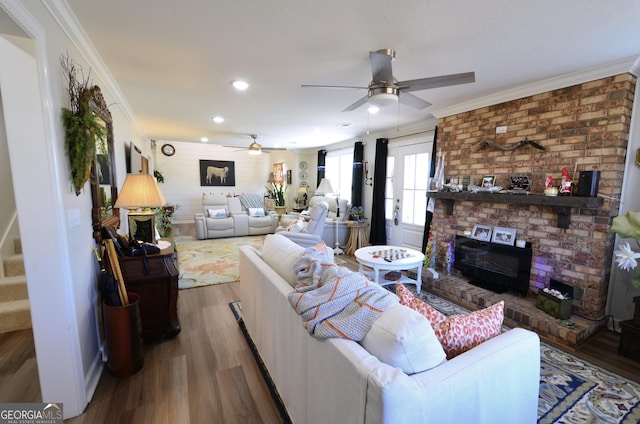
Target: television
column 493, row 266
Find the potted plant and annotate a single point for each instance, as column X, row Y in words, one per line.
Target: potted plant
column 164, row 216
column 85, row 131
column 278, row 192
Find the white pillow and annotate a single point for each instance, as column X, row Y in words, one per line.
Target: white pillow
column 280, row 254
column 296, row 226
column 217, row 213
column 403, row 338
column 256, row 211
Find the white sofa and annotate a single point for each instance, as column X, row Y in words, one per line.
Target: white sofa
column 339, row 381
column 236, row 221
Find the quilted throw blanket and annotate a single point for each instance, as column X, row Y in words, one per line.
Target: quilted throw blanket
column 333, row 301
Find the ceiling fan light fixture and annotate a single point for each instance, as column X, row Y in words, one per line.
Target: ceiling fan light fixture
column 255, row 149
column 383, row 96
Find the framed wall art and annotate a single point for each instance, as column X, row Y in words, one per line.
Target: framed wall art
column 278, row 172
column 217, row 173
column 488, row 181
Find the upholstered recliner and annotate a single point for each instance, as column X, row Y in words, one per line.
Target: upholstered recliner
column 311, row 233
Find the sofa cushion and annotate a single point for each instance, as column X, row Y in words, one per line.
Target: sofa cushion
column 403, row 338
column 296, row 226
column 252, row 200
column 255, row 211
column 217, row 213
column 457, row 333
column 280, row 253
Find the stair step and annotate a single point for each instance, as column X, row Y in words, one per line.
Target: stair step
column 17, row 245
column 13, row 288
column 14, row 316
column 14, row 265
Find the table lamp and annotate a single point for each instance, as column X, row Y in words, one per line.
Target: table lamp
column 139, row 192
column 325, row 188
column 302, row 196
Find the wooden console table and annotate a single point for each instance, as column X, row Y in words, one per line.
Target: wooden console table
column 158, row 290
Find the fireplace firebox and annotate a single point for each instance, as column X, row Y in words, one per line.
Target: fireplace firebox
column 496, row 267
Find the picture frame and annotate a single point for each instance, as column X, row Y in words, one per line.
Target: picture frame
column 481, row 232
column 278, row 173
column 289, row 176
column 217, row 173
column 488, row 181
column 502, row 235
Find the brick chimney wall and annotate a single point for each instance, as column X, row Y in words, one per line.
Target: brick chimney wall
column 583, row 127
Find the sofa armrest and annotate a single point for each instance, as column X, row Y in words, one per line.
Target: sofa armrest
column 240, row 224
column 201, row 226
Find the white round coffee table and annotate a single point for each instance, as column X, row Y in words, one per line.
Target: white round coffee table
column 390, row 258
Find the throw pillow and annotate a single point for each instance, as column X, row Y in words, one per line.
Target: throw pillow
column 217, row 213
column 403, row 338
column 457, row 333
column 296, row 226
column 256, row 211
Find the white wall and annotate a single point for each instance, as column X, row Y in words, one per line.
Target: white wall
column 59, row 262
column 182, row 173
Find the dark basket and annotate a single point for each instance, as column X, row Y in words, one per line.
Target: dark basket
column 630, row 340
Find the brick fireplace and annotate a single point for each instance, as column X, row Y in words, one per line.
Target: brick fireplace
column 583, row 127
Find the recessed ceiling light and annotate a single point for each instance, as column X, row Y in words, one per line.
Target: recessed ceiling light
column 345, row 124
column 218, row 119
column 373, row 109
column 204, row 139
column 240, row 85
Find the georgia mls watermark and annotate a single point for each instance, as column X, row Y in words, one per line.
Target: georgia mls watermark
column 30, row 413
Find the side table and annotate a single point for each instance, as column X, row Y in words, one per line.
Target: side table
column 357, row 236
column 157, row 286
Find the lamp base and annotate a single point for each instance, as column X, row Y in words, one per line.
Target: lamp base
column 337, row 250
column 142, row 226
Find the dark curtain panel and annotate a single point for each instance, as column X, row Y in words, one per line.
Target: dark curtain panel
column 378, row 235
column 432, row 170
column 356, row 177
column 322, row 155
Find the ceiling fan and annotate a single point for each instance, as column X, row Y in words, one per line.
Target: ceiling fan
column 384, row 89
column 256, row 148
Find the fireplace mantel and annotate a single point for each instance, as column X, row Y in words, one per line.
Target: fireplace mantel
column 561, row 205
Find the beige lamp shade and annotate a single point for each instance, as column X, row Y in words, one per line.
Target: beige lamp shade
column 324, row 187
column 140, row 191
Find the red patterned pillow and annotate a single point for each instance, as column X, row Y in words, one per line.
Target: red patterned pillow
column 457, row 333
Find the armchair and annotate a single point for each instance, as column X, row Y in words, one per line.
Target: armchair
column 312, row 232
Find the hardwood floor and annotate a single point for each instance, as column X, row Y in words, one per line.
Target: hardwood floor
column 206, row 374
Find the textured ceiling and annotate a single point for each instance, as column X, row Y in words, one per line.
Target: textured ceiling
column 174, row 61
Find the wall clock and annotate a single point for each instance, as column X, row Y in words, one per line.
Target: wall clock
column 168, row 150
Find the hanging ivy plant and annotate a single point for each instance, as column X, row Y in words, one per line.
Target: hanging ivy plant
column 85, row 131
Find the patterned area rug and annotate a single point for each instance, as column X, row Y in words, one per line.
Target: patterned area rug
column 215, row 261
column 207, row 262
column 571, row 390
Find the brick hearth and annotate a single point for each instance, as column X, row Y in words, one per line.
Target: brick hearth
column 519, row 311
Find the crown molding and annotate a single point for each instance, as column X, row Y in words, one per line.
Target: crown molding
column 629, row 64
column 68, row 23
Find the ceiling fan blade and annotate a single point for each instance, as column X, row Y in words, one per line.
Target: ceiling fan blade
column 435, row 82
column 381, row 67
column 357, row 104
column 333, row 86
column 413, row 101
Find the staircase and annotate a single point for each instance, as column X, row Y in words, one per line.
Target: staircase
column 14, row 300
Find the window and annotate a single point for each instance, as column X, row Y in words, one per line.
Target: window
column 339, row 170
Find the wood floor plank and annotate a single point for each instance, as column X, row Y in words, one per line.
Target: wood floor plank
column 237, row 402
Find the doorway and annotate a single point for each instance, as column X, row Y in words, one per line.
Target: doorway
column 406, row 193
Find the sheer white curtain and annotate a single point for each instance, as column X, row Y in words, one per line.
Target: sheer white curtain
column 338, row 169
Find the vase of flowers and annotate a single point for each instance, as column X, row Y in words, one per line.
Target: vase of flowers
column 627, row 226
column 357, row 214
